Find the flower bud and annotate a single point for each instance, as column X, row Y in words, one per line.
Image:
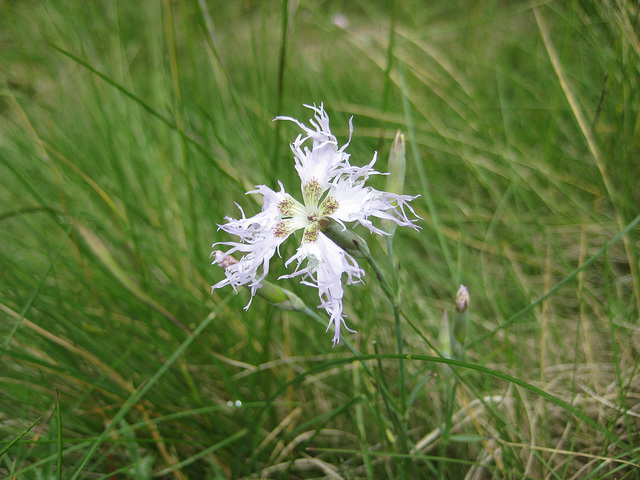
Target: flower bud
column 462, row 299
column 395, row 180
column 280, row 297
column 346, row 239
column 460, row 321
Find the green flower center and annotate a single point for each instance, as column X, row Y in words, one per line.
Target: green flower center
column 315, row 209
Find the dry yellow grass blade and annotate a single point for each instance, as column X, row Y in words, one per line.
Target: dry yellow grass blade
column 589, row 138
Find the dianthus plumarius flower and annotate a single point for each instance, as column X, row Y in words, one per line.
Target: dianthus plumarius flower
column 332, row 190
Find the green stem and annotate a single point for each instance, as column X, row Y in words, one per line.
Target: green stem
column 59, row 437
column 400, row 345
column 280, row 87
column 392, row 292
column 384, row 283
column 395, row 301
column 348, row 344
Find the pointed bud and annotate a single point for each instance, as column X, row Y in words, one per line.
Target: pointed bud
column 395, row 180
column 346, row 239
column 397, row 165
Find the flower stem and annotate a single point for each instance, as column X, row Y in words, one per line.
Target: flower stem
column 306, row 310
column 384, row 283
column 392, row 292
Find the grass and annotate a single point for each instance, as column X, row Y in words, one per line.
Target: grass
column 129, row 129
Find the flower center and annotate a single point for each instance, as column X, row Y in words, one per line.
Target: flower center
column 294, row 215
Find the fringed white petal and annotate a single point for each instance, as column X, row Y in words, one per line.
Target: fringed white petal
column 331, row 187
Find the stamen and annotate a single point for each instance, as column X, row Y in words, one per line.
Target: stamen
column 286, row 206
column 281, row 230
column 311, row 191
column 310, row 233
column 329, row 205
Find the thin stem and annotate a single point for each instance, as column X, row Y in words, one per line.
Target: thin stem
column 395, row 302
column 384, row 283
column 392, row 292
column 348, row 344
column 390, row 254
column 281, row 78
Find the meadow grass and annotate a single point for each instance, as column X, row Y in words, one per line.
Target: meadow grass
column 128, row 131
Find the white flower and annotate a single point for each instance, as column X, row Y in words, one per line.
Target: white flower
column 331, row 188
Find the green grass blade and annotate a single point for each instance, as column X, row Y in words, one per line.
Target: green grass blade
column 59, row 436
column 18, row 438
column 139, row 393
column 35, row 292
